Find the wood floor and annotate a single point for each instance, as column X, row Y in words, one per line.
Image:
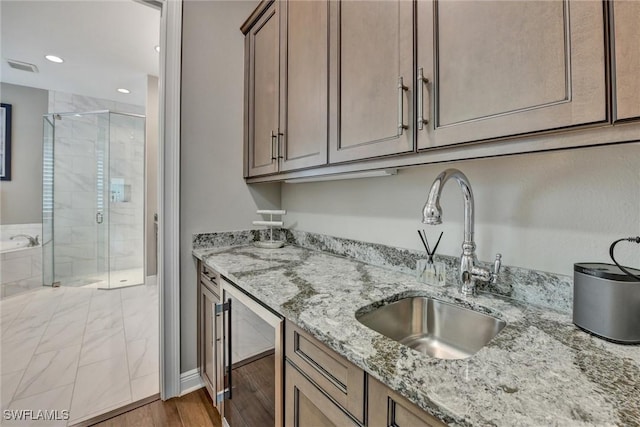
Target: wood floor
column 251, row 405
column 253, row 401
column 191, row 410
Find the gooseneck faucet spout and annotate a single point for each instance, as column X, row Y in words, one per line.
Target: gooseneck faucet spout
column 470, row 272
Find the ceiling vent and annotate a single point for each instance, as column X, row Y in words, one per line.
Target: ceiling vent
column 23, row 66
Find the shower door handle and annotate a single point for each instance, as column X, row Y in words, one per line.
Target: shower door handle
column 99, row 217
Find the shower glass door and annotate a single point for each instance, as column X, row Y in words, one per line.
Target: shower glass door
column 47, row 200
column 93, row 200
column 76, row 176
column 126, row 200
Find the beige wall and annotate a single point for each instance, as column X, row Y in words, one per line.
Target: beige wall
column 151, row 173
column 543, row 211
column 213, row 194
column 21, row 198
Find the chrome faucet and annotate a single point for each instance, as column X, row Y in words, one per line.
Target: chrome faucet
column 33, row 241
column 470, row 271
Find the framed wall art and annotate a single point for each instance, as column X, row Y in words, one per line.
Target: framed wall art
column 5, row 142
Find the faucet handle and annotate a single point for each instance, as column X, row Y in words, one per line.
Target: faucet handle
column 496, row 268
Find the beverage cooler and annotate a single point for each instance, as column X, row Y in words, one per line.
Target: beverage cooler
column 251, row 368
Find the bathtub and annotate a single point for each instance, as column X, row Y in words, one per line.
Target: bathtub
column 18, row 244
column 20, row 263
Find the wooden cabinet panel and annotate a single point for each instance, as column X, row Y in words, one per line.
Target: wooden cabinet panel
column 307, row 406
column 372, row 51
column 388, row 409
column 340, row 379
column 500, row 68
column 263, row 85
column 209, row 330
column 305, row 83
column 626, row 24
column 209, row 338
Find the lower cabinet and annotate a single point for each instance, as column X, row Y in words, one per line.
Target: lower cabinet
column 209, row 326
column 388, row 409
column 307, row 406
column 321, row 388
column 339, row 379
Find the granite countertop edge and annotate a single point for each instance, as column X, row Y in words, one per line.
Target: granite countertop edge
column 540, row 369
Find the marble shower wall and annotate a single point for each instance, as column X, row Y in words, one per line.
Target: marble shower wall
column 126, row 196
column 98, row 166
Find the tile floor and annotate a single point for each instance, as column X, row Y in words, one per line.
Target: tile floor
column 88, row 351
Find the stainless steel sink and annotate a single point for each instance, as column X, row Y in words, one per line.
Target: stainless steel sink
column 434, row 327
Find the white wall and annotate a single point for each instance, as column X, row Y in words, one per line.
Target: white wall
column 213, row 196
column 542, row 211
column 21, row 198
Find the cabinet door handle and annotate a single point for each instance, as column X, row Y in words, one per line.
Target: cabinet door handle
column 99, row 218
column 401, row 89
column 422, row 81
column 274, row 137
column 225, row 393
column 280, row 134
column 229, row 349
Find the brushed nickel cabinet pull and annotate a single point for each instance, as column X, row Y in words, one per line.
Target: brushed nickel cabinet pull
column 280, row 134
column 273, row 143
column 422, row 80
column 401, row 89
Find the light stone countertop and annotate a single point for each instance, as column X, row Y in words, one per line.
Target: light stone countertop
column 539, row 370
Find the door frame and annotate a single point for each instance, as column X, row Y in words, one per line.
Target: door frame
column 169, row 197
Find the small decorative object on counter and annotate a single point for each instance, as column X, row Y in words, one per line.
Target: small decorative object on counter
column 270, row 244
column 428, row 271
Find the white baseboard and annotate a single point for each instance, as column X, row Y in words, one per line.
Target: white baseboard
column 190, row 381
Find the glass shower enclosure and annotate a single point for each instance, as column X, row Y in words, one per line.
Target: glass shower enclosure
column 93, row 199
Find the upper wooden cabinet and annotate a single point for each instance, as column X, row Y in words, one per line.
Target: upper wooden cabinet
column 287, row 69
column 339, row 82
column 262, row 62
column 304, row 80
column 626, row 29
column 500, row 68
column 371, row 79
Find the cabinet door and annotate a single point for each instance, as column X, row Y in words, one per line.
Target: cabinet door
column 337, row 377
column 263, row 87
column 306, row 406
column 501, row 68
column 387, row 409
column 626, row 24
column 304, row 90
column 208, row 340
column 373, row 50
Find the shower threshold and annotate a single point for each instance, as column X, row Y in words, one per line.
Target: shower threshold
column 115, row 280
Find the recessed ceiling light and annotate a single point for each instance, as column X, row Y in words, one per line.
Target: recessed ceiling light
column 122, row 90
column 157, row 48
column 55, row 59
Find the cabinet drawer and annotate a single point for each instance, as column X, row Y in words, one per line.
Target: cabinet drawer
column 387, row 408
column 210, row 278
column 340, row 379
column 307, row 406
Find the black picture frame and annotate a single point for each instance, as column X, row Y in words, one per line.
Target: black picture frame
column 5, row 142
